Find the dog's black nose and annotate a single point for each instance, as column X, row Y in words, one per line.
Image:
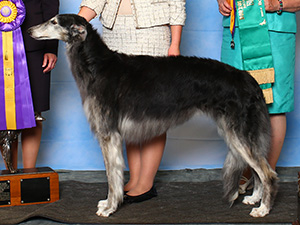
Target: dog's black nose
column 29, row 31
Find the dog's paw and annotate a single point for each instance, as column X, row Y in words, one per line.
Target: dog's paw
column 251, row 200
column 105, row 212
column 260, row 211
column 102, row 204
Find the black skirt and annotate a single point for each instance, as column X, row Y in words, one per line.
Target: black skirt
column 39, row 81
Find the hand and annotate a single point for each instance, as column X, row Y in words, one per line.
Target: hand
column 271, row 5
column 174, row 50
column 224, row 7
column 49, row 62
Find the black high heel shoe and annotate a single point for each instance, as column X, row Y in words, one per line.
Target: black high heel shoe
column 140, row 198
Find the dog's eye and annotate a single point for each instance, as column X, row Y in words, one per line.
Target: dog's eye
column 53, row 22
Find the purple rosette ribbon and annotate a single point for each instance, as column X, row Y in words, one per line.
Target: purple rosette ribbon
column 12, row 14
column 16, row 107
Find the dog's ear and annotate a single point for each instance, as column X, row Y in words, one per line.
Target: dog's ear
column 78, row 31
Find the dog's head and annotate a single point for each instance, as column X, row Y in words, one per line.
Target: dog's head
column 69, row 28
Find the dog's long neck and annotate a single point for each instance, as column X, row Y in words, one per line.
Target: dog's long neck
column 88, row 59
column 91, row 49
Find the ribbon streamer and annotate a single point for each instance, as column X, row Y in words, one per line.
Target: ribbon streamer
column 232, row 22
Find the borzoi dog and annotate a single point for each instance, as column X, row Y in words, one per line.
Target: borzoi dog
column 136, row 98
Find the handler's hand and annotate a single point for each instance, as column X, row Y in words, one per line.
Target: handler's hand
column 174, row 50
column 49, row 62
column 224, row 7
column 271, row 5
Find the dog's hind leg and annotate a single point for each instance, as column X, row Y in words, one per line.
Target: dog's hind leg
column 113, row 157
column 253, row 154
column 257, row 191
column 266, row 188
column 267, row 177
column 232, row 171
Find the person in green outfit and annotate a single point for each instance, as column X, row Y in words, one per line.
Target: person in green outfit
column 280, row 20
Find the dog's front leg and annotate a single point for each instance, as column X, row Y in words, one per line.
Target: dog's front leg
column 111, row 146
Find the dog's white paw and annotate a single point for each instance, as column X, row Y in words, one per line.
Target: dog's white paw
column 260, row 211
column 105, row 212
column 251, row 200
column 102, row 204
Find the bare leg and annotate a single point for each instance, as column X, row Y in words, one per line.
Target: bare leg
column 278, row 126
column 134, row 163
column 31, row 139
column 247, row 174
column 150, row 157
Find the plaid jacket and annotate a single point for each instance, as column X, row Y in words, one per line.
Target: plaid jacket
column 147, row 13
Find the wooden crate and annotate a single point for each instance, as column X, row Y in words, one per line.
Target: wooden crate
column 28, row 187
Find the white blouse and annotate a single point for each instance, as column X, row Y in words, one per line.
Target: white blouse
column 147, row 13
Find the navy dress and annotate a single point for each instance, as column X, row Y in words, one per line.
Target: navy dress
column 37, row 12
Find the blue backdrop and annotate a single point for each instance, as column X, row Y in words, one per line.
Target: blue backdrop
column 67, row 142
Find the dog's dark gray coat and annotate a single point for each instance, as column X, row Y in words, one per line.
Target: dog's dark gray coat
column 139, row 97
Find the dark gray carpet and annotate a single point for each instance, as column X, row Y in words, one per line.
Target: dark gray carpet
column 184, row 202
